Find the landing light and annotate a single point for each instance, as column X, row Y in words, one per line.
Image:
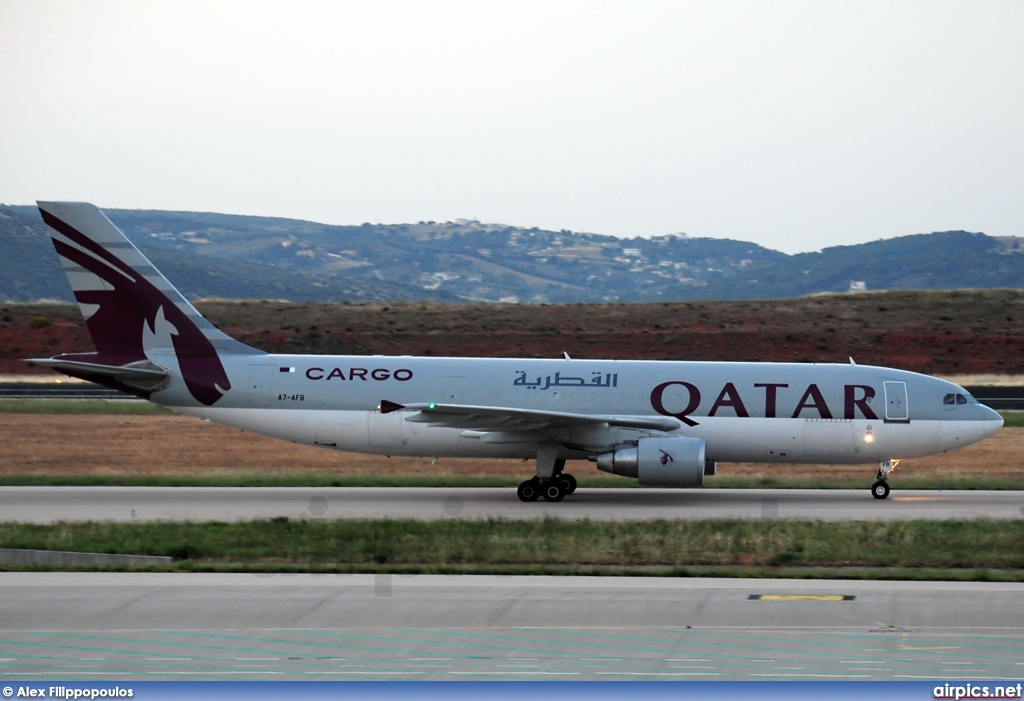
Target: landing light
column 869, row 437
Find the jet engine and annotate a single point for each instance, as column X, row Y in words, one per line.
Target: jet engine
column 671, row 461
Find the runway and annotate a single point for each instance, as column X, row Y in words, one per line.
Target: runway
column 53, row 504
column 224, row 626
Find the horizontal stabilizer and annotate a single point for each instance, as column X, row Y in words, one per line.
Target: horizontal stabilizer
column 144, row 375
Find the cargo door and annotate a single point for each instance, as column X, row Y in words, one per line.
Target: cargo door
column 384, row 430
column 828, row 440
column 784, row 440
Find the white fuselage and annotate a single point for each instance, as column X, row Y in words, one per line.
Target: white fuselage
column 746, row 412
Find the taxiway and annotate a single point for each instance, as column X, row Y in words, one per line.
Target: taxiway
column 224, row 626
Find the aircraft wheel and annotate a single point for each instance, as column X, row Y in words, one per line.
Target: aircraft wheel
column 553, row 491
column 528, row 490
column 880, row 489
column 568, row 483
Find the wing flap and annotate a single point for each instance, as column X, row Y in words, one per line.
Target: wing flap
column 493, row 418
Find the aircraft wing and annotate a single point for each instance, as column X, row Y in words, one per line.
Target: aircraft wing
column 494, row 418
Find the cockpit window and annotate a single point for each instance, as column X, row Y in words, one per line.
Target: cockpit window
column 953, row 399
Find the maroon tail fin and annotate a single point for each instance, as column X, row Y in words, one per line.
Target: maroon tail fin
column 124, row 298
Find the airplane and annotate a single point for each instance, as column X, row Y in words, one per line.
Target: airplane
column 664, row 423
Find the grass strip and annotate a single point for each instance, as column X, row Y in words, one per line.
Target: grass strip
column 750, row 572
column 270, row 479
column 662, row 547
column 1012, row 419
column 329, row 479
column 81, row 406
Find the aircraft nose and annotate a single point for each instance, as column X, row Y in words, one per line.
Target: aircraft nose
column 992, row 420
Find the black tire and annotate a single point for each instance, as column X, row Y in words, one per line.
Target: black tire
column 553, row 491
column 880, row 489
column 528, row 491
column 568, row 483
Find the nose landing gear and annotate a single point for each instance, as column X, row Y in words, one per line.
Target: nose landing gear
column 880, row 489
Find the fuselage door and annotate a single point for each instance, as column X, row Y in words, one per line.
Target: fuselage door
column 259, row 385
column 896, row 406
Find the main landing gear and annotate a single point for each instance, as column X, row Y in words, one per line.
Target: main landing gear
column 550, row 482
column 880, row 489
column 554, row 489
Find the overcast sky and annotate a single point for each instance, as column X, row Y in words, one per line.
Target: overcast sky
column 797, row 125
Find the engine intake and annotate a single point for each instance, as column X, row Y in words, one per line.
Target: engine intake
column 676, row 461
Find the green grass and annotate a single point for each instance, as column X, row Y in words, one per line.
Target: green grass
column 1012, row 419
column 327, row 479
column 898, row 481
column 915, row 549
column 269, row 479
column 80, row 406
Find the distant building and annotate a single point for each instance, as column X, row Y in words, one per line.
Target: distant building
column 858, row 286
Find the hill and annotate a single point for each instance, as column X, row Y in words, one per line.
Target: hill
column 241, row 257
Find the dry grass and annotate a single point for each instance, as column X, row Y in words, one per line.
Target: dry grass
column 77, row 445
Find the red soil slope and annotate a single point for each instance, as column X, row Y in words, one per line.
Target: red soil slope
column 961, row 332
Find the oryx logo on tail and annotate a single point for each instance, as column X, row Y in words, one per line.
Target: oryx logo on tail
column 119, row 301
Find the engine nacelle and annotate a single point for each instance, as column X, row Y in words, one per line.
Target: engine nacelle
column 675, row 461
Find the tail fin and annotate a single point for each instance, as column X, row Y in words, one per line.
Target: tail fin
column 124, row 300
